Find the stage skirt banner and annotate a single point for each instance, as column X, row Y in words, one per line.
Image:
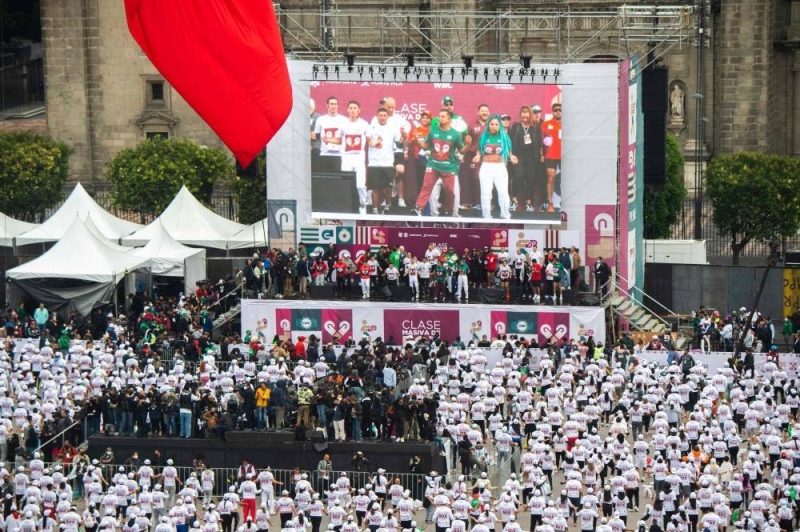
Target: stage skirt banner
column 395, row 323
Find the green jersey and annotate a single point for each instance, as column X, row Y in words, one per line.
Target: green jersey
column 439, row 273
column 443, row 146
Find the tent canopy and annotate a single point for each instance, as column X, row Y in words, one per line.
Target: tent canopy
column 77, row 271
column 82, row 256
column 172, row 259
column 79, row 204
column 191, row 223
column 10, row 228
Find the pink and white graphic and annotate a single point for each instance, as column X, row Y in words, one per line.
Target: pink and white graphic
column 499, row 323
column 600, row 234
column 553, row 324
column 474, row 325
column 283, row 323
column 411, row 323
column 337, row 323
column 367, row 321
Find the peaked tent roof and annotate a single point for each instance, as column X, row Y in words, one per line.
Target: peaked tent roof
column 79, row 204
column 189, row 222
column 82, row 256
column 165, row 253
column 11, row 227
column 251, row 236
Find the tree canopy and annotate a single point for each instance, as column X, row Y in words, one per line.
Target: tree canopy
column 147, row 177
column 754, row 196
column 33, row 169
column 663, row 206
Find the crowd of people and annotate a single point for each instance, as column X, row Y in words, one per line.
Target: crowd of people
column 443, row 162
column 582, row 435
column 435, row 275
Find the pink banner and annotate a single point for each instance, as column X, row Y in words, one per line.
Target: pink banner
column 553, row 324
column 417, row 240
column 600, row 233
column 400, row 324
column 337, row 323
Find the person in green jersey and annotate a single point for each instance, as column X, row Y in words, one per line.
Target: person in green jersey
column 439, row 278
column 442, row 142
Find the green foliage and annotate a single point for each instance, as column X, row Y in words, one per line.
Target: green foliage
column 662, row 207
column 251, row 193
column 33, row 169
column 755, row 196
column 147, row 177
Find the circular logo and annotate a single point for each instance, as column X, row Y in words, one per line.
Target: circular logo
column 344, row 254
column 305, row 323
column 344, row 235
column 522, row 327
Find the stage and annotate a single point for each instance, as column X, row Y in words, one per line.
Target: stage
column 278, row 449
column 397, row 322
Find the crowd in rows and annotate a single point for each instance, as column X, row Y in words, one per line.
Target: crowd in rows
column 583, row 435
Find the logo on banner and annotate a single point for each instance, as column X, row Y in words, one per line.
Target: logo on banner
column 500, row 239
column 333, row 328
column 553, row 324
column 412, row 327
column 306, row 320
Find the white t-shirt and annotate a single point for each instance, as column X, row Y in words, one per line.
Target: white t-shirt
column 329, row 127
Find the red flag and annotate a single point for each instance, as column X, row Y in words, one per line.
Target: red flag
column 225, row 58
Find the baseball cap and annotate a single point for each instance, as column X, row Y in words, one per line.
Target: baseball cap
column 535, row 108
column 447, row 99
column 426, row 113
column 505, row 117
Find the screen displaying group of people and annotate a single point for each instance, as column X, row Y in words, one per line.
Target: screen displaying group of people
column 443, row 164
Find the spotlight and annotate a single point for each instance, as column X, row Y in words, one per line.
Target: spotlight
column 361, row 72
column 410, row 60
column 325, row 68
column 545, row 72
column 523, row 72
column 382, row 71
column 526, row 60
column 486, row 74
column 452, row 73
column 417, row 72
column 556, row 73
column 315, row 71
column 394, row 72
column 497, row 74
column 351, row 60
column 467, row 60
column 336, row 70
column 510, row 73
column 464, row 73
column 440, row 71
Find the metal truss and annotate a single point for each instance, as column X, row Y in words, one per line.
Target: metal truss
column 389, row 35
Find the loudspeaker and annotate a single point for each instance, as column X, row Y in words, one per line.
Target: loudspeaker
column 792, row 258
column 319, row 447
column 334, row 192
column 248, row 172
column 654, row 106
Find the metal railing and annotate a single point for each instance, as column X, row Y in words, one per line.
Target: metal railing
column 225, row 477
column 617, row 288
column 644, row 294
column 63, row 434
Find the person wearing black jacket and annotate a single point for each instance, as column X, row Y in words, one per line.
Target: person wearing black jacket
column 249, row 403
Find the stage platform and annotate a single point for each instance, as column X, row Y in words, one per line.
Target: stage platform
column 396, row 322
column 277, row 449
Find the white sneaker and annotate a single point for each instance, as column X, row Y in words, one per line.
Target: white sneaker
column 401, row 202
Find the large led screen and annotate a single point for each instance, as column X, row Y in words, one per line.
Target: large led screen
column 422, row 151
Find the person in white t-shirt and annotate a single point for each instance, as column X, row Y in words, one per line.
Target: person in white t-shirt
column 354, row 141
column 401, row 127
column 380, row 166
column 328, row 130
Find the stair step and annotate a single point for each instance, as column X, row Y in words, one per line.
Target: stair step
column 651, row 322
column 624, row 306
column 680, row 343
column 631, row 310
column 644, row 320
column 660, row 327
column 617, row 301
column 636, row 316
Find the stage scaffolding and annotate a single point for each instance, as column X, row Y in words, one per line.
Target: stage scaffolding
column 555, row 36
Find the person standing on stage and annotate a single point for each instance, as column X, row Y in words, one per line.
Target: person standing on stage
column 354, row 140
column 494, row 151
column 328, row 130
column 551, row 140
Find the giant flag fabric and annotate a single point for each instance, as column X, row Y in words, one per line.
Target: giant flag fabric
column 225, row 58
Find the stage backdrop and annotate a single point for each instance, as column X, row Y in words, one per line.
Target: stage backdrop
column 395, row 322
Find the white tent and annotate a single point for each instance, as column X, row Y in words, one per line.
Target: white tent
column 251, row 236
column 79, row 270
column 191, row 223
column 79, row 204
column 10, row 228
column 172, row 259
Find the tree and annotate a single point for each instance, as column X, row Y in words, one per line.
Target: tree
column 662, row 207
column 754, row 196
column 251, row 193
column 146, row 178
column 33, row 170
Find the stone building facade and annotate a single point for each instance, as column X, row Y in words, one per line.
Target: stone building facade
column 103, row 94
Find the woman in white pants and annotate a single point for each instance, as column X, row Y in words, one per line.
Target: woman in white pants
column 494, row 149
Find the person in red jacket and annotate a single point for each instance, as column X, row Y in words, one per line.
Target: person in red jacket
column 342, row 272
column 491, row 267
column 300, row 348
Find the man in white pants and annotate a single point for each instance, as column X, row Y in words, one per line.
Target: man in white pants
column 462, row 271
column 412, row 271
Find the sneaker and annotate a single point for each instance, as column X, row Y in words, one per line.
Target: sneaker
column 401, row 202
column 416, row 211
column 550, row 208
column 529, row 208
column 374, row 210
column 513, row 206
